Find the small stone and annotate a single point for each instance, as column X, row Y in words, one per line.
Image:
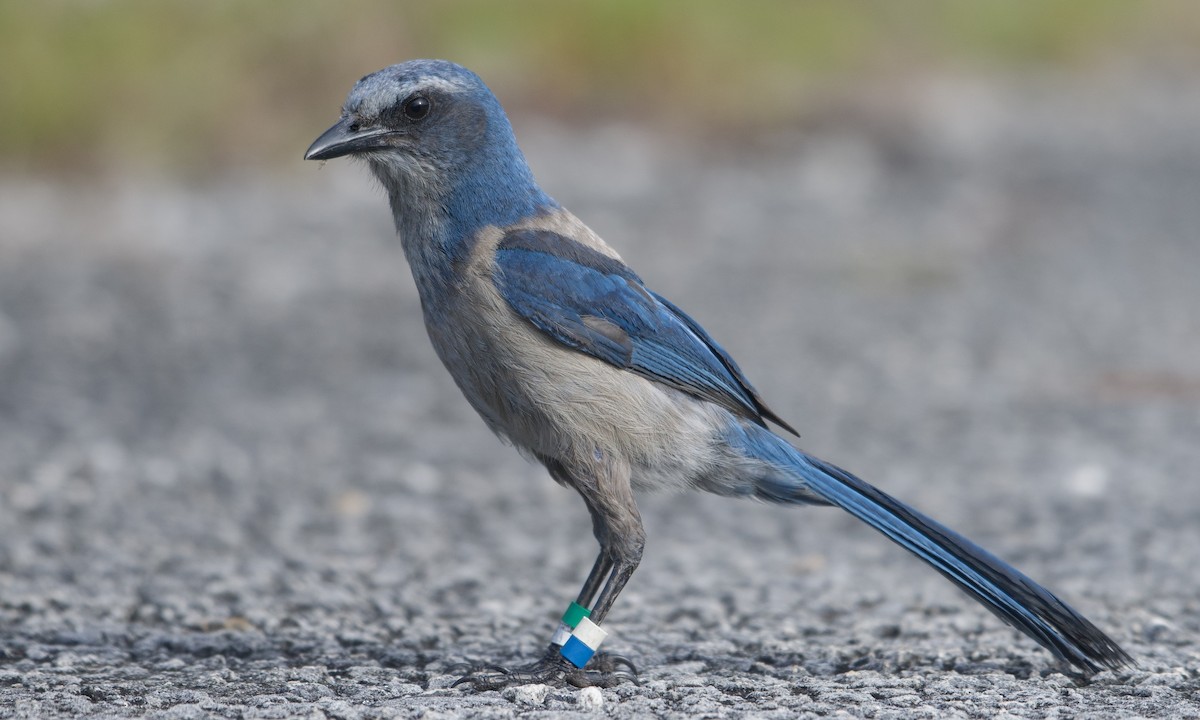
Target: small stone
column 590, row 698
column 527, row 694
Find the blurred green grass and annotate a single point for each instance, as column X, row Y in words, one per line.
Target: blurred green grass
column 193, row 87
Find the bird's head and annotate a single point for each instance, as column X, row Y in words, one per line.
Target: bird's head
column 435, row 135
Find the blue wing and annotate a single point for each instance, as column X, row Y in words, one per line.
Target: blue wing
column 595, row 304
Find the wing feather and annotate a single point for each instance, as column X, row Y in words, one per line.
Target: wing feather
column 595, row 304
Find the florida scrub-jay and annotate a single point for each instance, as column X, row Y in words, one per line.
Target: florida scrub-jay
column 565, row 353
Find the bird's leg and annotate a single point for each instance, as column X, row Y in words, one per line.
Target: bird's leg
column 618, row 529
column 598, row 575
column 617, row 526
column 552, row 660
column 605, row 670
column 621, row 572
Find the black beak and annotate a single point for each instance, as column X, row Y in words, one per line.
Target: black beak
column 345, row 138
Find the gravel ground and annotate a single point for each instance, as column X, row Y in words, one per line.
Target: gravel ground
column 235, row 482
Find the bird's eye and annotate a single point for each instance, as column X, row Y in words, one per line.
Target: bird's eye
column 416, row 108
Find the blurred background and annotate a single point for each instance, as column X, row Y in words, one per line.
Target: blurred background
column 198, row 88
column 954, row 243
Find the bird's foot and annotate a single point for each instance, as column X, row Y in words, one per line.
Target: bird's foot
column 605, row 670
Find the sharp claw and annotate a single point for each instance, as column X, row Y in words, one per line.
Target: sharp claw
column 482, row 677
column 631, row 677
column 484, row 681
column 592, row 678
column 610, row 663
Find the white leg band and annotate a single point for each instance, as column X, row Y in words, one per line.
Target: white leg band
column 584, row 642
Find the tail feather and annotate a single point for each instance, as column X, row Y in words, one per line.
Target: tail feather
column 1001, row 588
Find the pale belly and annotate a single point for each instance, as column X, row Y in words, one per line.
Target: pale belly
column 554, row 402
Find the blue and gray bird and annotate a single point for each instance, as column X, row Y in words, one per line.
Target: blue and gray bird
column 565, row 353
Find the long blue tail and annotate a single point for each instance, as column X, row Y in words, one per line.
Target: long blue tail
column 1001, row 588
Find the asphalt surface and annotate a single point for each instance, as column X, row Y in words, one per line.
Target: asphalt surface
column 235, row 481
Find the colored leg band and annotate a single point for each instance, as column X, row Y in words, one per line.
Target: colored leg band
column 561, row 634
column 583, row 643
column 575, row 612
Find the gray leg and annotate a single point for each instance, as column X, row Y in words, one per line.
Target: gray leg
column 603, row 565
column 618, row 529
column 600, row 571
column 617, row 526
